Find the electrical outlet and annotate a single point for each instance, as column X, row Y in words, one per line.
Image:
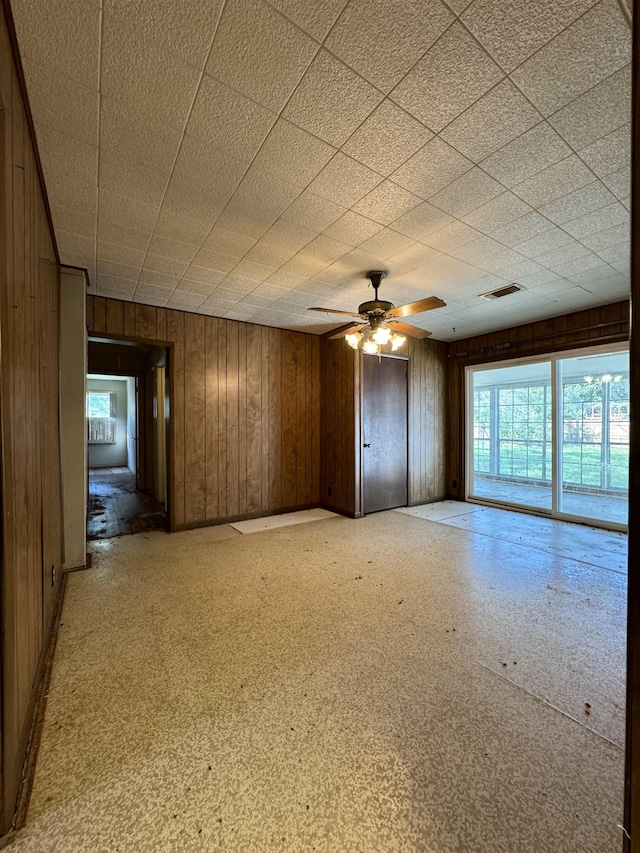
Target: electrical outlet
column 53, row 575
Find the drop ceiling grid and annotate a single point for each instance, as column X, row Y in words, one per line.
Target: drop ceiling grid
column 260, row 282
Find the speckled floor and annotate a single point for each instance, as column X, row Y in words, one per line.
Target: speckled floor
column 386, row 684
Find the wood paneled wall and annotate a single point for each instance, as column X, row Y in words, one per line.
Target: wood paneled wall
column 30, row 439
column 341, row 442
column 245, row 410
column 606, row 324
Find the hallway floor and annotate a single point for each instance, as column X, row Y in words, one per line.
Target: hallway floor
column 393, row 683
column 116, row 507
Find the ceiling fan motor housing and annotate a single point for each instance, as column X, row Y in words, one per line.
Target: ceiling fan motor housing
column 375, row 307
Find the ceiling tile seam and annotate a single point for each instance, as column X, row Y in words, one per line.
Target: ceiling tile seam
column 303, row 31
column 590, row 89
column 175, row 159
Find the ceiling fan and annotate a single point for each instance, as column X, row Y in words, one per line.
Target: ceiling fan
column 377, row 324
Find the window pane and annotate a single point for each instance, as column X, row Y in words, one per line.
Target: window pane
column 99, row 404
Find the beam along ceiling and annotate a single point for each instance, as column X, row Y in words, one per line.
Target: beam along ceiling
column 249, row 159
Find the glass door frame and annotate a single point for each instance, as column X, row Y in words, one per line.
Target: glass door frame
column 554, row 360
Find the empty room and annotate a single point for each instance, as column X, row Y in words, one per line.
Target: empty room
column 319, row 461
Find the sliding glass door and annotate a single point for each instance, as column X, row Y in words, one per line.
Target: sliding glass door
column 552, row 434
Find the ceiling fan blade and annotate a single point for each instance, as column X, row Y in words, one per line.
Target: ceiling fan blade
column 334, row 311
column 406, row 329
column 416, row 307
column 346, row 331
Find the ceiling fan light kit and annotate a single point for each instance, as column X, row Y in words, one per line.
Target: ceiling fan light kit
column 377, row 326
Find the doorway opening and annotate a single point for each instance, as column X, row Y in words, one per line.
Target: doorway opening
column 127, row 421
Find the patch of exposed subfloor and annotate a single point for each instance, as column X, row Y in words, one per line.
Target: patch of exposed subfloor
column 116, row 507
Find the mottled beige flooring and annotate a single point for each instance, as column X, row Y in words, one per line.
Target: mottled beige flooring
column 386, row 684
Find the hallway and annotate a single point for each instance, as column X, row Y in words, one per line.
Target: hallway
column 386, row 684
column 116, row 507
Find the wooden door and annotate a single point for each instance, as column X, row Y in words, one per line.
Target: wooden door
column 384, row 433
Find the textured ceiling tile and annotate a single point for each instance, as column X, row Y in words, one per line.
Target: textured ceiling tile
column 314, row 18
column 150, row 142
column 580, row 265
column 325, row 249
column 555, row 181
column 493, row 121
column 619, row 182
column 120, row 254
column 265, row 190
column 115, row 288
column 578, row 203
column 617, row 255
column 581, row 56
column 451, row 236
column 597, row 220
column 293, row 154
column 61, row 103
column 268, row 254
column 126, row 211
column 431, row 169
column 169, row 248
column 608, row 238
column 523, row 157
column 386, row 243
column 200, row 288
column 182, row 228
column 352, row 228
column 386, row 202
column 344, row 181
column 228, row 242
column 183, row 301
column 331, row 101
column 387, row 138
column 252, row 271
column 149, row 294
column 214, row 260
column 421, row 221
column 67, row 192
column 478, row 250
column 468, row 192
column 447, row 80
column 313, row 212
column 158, row 279
column 501, row 261
column 271, row 291
column 259, row 52
column 247, row 221
column 524, row 228
column 168, row 266
column 609, row 154
column 147, row 83
column 596, row 113
column 303, row 264
column 76, row 243
column 499, row 211
column 411, row 258
column 61, row 33
column 382, row 39
column 229, row 120
column 111, row 232
column 282, row 279
column 549, row 240
column 132, row 180
column 73, row 221
column 562, row 255
column 511, row 32
column 203, row 274
column 288, row 235
column 181, row 27
column 189, row 201
column 212, row 170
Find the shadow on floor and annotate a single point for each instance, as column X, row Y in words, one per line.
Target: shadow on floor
column 117, row 508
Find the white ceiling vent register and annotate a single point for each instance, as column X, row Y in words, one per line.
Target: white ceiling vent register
column 507, row 290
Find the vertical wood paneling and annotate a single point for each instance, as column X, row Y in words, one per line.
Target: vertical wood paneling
column 89, row 309
column 30, row 472
column 211, row 420
column 114, row 317
column 275, row 419
column 194, row 425
column 245, row 412
column 175, row 333
column 99, row 314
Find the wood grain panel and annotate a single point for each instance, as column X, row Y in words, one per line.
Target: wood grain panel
column 194, row 422
column 99, row 314
column 245, row 413
column 606, row 324
column 114, row 317
column 30, row 443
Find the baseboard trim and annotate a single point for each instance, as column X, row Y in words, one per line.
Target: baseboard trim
column 37, row 717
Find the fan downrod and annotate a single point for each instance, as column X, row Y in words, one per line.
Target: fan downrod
column 375, row 306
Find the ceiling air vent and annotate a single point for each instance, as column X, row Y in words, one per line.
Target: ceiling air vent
column 507, row 290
